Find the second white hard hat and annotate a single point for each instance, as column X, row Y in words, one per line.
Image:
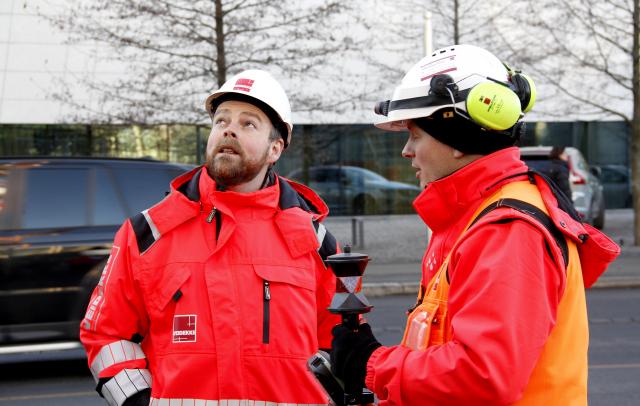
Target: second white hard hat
column 466, row 78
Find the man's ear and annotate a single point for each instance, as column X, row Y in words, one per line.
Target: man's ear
column 275, row 150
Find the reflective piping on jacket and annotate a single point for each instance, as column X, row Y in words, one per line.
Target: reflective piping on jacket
column 152, row 226
column 115, row 353
column 320, row 233
column 125, row 384
column 223, row 402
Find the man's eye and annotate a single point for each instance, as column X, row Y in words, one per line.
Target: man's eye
column 218, row 121
column 250, row 124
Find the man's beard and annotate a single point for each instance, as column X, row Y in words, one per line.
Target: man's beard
column 233, row 169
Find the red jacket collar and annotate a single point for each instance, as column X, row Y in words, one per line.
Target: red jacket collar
column 286, row 193
column 444, row 200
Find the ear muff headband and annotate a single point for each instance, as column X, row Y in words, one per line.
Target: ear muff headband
column 525, row 89
column 493, row 105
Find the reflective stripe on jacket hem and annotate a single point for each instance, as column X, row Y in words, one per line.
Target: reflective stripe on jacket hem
column 125, row 384
column 223, row 402
column 114, row 353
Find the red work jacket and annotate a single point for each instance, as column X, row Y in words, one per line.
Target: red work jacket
column 500, row 299
column 214, row 296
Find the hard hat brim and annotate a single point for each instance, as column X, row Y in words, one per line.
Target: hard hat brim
column 397, row 119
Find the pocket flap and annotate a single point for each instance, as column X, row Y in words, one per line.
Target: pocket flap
column 169, row 284
column 303, row 278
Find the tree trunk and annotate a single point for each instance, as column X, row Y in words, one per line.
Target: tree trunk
column 221, row 63
column 137, row 136
column 635, row 123
column 456, row 22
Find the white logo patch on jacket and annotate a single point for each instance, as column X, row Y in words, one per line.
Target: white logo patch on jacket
column 184, row 328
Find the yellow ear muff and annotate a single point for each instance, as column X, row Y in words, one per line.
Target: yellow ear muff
column 493, row 106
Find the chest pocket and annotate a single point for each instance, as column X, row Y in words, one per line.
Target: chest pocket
column 288, row 315
column 178, row 309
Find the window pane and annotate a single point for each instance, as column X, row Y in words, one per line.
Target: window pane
column 144, row 187
column 55, row 198
column 108, row 208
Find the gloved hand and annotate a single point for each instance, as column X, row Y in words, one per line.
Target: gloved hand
column 141, row 398
column 350, row 351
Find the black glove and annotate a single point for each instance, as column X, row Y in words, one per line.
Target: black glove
column 141, row 398
column 350, row 351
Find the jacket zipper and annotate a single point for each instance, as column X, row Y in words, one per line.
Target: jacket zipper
column 266, row 298
column 210, row 216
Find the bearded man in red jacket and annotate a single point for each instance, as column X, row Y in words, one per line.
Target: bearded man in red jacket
column 218, row 293
column 501, row 315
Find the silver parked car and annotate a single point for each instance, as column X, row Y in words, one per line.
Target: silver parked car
column 586, row 188
column 355, row 190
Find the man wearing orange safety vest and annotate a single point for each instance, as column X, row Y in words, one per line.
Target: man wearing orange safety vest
column 501, row 315
column 217, row 295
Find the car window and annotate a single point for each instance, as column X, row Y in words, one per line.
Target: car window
column 578, row 161
column 323, row 175
column 108, row 209
column 372, row 176
column 55, row 198
column 610, row 175
column 143, row 187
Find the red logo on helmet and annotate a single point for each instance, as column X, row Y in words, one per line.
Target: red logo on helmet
column 243, row 84
column 487, row 100
column 184, row 328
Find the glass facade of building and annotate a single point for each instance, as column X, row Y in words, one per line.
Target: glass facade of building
column 357, row 169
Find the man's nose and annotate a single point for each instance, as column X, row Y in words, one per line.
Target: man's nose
column 407, row 151
column 230, row 131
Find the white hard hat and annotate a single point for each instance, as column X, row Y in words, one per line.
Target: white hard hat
column 463, row 77
column 261, row 86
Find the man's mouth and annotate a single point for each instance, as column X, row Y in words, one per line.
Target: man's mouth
column 417, row 172
column 227, row 150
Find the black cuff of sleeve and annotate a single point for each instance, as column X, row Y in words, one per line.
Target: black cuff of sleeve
column 141, row 398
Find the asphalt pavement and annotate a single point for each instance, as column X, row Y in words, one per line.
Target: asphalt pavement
column 396, row 243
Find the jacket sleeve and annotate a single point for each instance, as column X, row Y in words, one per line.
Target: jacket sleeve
column 504, row 294
column 114, row 325
column 325, row 287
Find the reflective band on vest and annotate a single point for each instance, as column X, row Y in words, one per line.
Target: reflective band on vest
column 115, row 353
column 125, row 384
column 223, row 402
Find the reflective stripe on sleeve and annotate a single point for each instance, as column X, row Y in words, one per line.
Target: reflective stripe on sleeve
column 223, row 402
column 125, row 384
column 320, row 233
column 115, row 353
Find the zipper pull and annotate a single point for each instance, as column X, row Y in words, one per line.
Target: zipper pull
column 210, row 216
column 267, row 291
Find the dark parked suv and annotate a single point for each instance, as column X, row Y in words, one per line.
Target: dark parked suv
column 58, row 217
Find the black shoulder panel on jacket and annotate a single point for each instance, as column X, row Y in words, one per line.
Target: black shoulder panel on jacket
column 290, row 198
column 142, row 229
column 191, row 189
